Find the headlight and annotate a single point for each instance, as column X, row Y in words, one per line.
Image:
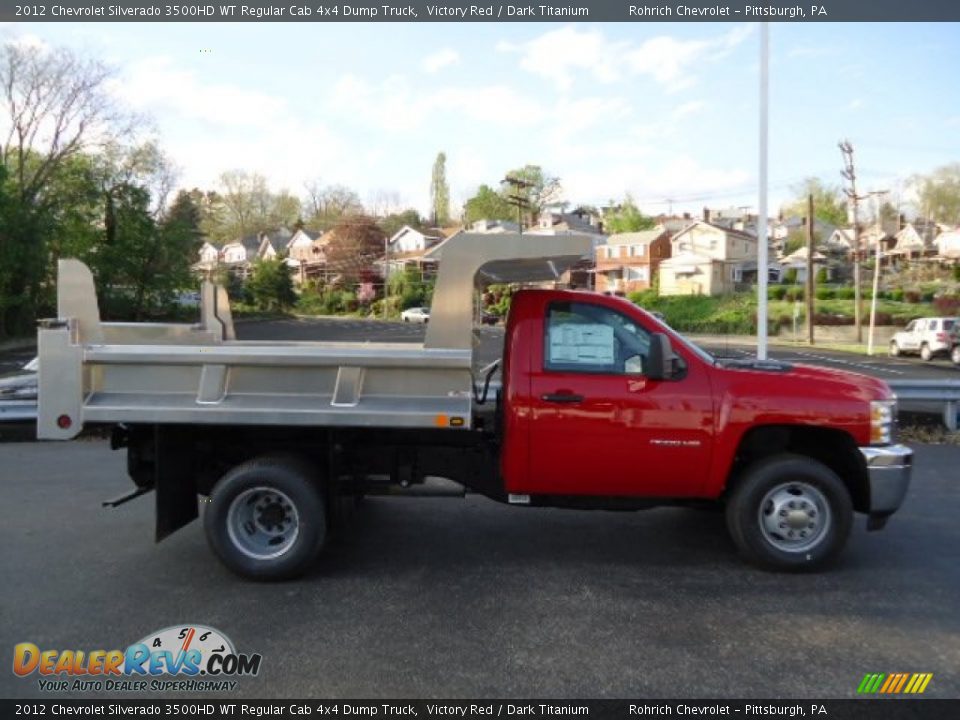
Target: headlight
column 883, row 415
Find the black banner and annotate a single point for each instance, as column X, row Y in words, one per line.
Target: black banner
column 872, row 709
column 322, row 11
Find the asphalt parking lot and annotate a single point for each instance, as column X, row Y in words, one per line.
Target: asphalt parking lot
column 467, row 598
column 427, row 598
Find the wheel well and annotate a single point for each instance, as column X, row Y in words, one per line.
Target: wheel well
column 834, row 448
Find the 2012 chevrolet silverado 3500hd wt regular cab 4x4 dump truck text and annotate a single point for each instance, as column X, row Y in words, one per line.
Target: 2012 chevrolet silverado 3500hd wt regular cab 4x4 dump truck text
column 599, row 406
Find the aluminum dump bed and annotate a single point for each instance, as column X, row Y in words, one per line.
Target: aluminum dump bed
column 95, row 372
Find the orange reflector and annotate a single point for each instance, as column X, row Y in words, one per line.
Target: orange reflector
column 64, row 422
column 440, row 421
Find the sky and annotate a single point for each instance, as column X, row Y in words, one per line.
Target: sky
column 666, row 112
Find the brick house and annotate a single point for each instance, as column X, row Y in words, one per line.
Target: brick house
column 629, row 262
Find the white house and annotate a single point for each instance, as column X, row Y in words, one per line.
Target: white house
column 708, row 260
column 948, row 244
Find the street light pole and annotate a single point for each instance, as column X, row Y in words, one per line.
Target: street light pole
column 762, row 270
column 876, row 271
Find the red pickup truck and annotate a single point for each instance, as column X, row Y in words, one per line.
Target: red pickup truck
column 600, row 406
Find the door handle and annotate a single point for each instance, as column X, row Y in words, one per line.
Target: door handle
column 562, row 397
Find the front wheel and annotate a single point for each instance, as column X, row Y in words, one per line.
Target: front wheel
column 925, row 354
column 789, row 512
column 955, row 355
column 894, row 349
column 267, row 518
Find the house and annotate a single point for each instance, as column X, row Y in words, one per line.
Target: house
column 948, row 245
column 797, row 261
column 494, row 226
column 910, row 242
column 842, row 242
column 629, row 262
column 305, row 254
column 409, row 248
column 707, row 260
column 555, row 223
column 237, row 256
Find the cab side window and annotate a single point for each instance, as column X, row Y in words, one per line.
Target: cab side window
column 586, row 338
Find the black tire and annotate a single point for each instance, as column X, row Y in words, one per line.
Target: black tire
column 955, row 355
column 786, row 481
column 288, row 487
column 925, row 353
column 894, row 349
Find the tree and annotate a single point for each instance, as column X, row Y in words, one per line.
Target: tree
column 938, row 194
column 393, row 223
column 488, row 204
column 440, row 192
column 54, row 106
column 270, row 285
column 542, row 190
column 627, row 218
column 828, row 205
column 354, row 246
column 326, row 205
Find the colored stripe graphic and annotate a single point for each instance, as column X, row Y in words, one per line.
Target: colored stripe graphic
column 894, row 683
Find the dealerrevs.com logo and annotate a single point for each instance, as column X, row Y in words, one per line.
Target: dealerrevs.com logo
column 178, row 658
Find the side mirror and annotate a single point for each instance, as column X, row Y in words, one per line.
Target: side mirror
column 660, row 361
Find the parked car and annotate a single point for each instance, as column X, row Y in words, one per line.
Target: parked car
column 416, row 314
column 488, row 318
column 955, row 344
column 927, row 336
column 18, row 394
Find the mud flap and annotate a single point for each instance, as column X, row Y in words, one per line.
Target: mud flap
column 174, row 480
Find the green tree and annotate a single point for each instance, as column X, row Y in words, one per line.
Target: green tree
column 440, row 192
column 627, row 218
column 270, row 285
column 939, row 194
column 488, row 204
column 542, row 189
column 828, row 203
column 394, row 222
column 51, row 100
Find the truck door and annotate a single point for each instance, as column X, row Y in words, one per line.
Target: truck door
column 598, row 426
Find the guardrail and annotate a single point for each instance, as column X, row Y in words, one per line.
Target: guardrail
column 939, row 391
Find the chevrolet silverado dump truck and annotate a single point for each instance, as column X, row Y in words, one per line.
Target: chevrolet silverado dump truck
column 599, row 405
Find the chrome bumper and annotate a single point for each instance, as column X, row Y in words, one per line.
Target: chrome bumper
column 888, row 470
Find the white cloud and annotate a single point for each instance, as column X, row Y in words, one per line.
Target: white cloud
column 158, row 84
column 559, row 55
column 439, row 60
column 29, row 41
column 688, row 108
column 855, row 104
column 396, row 106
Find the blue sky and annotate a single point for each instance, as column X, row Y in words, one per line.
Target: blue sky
column 659, row 110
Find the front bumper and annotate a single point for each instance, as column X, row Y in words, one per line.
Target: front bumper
column 888, row 471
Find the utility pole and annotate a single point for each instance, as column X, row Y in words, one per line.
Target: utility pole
column 876, row 270
column 850, row 175
column 519, row 199
column 808, row 292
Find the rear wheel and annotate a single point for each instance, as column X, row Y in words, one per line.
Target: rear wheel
column 955, row 355
column 894, row 349
column 789, row 513
column 267, row 518
column 925, row 354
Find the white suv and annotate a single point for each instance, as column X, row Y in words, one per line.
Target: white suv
column 927, row 336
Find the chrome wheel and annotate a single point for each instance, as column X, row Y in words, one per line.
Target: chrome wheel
column 955, row 355
column 894, row 349
column 263, row 523
column 925, row 353
column 794, row 517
